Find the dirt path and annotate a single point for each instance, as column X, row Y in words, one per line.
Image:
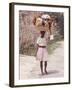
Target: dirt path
column 29, row 67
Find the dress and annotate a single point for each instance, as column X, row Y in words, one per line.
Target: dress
column 42, row 54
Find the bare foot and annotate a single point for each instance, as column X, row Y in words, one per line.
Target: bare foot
column 46, row 72
column 42, row 73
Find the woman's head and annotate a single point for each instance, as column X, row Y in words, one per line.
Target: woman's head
column 42, row 33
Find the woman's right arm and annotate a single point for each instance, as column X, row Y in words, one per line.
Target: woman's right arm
column 37, row 48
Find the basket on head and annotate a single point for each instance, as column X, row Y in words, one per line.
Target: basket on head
column 42, row 22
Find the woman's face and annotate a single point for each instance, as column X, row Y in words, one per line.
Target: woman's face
column 42, row 33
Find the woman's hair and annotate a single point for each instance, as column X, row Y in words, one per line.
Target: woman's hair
column 42, row 33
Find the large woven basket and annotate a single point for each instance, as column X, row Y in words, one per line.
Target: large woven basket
column 42, row 28
column 39, row 23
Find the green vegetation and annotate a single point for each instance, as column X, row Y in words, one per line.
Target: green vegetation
column 28, row 33
column 52, row 46
column 31, row 50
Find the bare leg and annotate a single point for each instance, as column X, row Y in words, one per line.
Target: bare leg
column 45, row 67
column 41, row 66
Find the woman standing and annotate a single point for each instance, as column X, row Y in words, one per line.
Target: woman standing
column 42, row 54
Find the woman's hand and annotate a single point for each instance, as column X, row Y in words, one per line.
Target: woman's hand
column 36, row 49
column 51, row 37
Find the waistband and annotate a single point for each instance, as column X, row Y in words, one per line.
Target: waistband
column 42, row 46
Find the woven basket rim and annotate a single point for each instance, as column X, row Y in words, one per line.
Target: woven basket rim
column 42, row 28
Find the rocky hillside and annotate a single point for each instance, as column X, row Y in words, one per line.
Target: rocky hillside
column 28, row 33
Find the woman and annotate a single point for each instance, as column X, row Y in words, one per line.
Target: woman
column 42, row 54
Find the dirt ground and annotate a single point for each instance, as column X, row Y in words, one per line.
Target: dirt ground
column 30, row 69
